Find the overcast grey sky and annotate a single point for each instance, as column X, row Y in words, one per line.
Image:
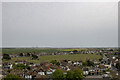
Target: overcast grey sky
column 0, row 25
column 60, row 24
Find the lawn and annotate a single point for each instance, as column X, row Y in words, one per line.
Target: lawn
column 49, row 58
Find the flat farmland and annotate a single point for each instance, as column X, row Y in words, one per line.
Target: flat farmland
column 39, row 50
column 48, row 58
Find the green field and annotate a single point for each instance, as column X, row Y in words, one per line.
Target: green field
column 39, row 50
column 48, row 58
column 28, row 50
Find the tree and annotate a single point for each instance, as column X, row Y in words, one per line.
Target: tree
column 28, row 54
column 55, row 62
column 90, row 63
column 69, row 75
column 6, row 56
column 101, row 54
column 8, row 70
column 75, row 51
column 21, row 66
column 77, row 74
column 58, row 64
column 84, row 63
column 100, row 59
column 21, row 54
column 58, row 75
column 118, row 66
column 34, row 56
column 104, row 71
column 115, row 78
column 12, row 77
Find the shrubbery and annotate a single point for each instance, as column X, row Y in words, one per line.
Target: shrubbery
column 12, row 77
column 21, row 66
column 55, row 62
column 88, row 63
column 6, row 56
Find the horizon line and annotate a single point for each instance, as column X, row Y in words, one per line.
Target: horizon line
column 63, row 47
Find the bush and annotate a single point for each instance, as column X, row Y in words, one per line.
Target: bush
column 75, row 51
column 77, row 74
column 58, row 75
column 34, row 56
column 84, row 63
column 21, row 54
column 6, row 56
column 21, row 66
column 69, row 75
column 55, row 62
column 104, row 71
column 90, row 63
column 12, row 77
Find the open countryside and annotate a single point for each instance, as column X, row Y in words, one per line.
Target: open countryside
column 48, row 58
column 61, row 63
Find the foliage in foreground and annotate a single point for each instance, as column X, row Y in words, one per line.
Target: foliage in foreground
column 77, row 74
column 58, row 75
column 12, row 77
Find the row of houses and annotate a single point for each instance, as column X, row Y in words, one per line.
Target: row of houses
column 90, row 51
column 97, row 70
column 46, row 69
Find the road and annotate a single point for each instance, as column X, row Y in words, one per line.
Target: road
column 105, row 58
column 114, row 69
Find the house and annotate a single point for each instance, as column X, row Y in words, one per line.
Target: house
column 19, row 62
column 41, row 72
column 92, row 71
column 34, row 74
column 53, row 70
column 69, row 61
column 102, row 66
column 95, row 62
column 28, row 76
column 85, row 71
column 68, row 69
column 1, row 76
column 31, row 64
column 10, row 66
column 113, row 57
column 7, row 66
column 0, row 65
column 80, row 63
column 46, row 65
column 49, row 73
column 105, row 75
column 108, row 66
column 77, row 63
column 99, row 72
